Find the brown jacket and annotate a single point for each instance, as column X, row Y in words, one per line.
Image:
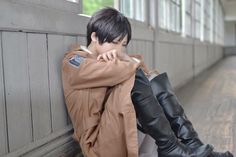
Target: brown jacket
column 97, row 95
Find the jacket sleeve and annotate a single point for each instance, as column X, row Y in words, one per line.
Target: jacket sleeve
column 92, row 73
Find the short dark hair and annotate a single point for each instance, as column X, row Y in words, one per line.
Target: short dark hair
column 108, row 24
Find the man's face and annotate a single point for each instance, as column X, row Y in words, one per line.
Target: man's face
column 119, row 46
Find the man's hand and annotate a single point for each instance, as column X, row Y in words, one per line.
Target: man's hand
column 110, row 55
column 113, row 54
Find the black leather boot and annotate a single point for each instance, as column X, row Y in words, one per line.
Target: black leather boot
column 174, row 112
column 154, row 122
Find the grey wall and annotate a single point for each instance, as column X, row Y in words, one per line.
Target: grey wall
column 183, row 58
column 229, row 50
column 230, row 39
column 33, row 40
column 34, row 35
column 32, row 101
column 230, row 34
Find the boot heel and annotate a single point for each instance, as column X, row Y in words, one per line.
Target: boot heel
column 203, row 151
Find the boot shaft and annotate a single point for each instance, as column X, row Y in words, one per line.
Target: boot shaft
column 154, row 122
column 173, row 110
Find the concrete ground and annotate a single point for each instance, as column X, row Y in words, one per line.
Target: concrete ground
column 210, row 103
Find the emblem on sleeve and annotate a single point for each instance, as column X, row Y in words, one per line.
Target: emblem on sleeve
column 76, row 60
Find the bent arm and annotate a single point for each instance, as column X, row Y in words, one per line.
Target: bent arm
column 92, row 73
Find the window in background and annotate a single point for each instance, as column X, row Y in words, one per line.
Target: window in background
column 74, row 1
column 216, row 38
column 91, row 6
column 173, row 17
column 127, row 8
column 162, row 13
column 201, row 19
column 170, row 15
column 222, row 26
column 134, row 9
column 167, row 12
column 207, row 19
column 197, row 18
column 178, row 24
column 217, row 22
column 212, row 21
column 187, row 18
column 140, row 10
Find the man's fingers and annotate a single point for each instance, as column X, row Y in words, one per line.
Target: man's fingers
column 104, row 56
column 114, row 54
column 109, row 56
column 99, row 57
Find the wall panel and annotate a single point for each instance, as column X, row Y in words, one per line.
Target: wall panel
column 57, row 47
column 3, row 130
column 39, row 86
column 17, row 89
column 82, row 40
column 68, row 41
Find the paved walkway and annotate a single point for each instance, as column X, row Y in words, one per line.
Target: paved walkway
column 210, row 103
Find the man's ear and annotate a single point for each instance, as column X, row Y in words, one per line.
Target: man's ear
column 94, row 37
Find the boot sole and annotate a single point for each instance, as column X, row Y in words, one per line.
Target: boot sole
column 207, row 151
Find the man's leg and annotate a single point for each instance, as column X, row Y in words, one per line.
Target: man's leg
column 174, row 112
column 154, row 122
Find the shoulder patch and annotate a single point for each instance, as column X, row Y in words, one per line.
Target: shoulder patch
column 76, row 60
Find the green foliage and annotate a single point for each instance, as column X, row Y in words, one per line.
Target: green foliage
column 90, row 6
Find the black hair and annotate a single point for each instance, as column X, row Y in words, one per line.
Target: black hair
column 108, row 24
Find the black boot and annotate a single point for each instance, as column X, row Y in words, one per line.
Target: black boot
column 174, row 112
column 154, row 122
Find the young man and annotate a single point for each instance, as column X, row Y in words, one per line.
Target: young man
column 105, row 89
